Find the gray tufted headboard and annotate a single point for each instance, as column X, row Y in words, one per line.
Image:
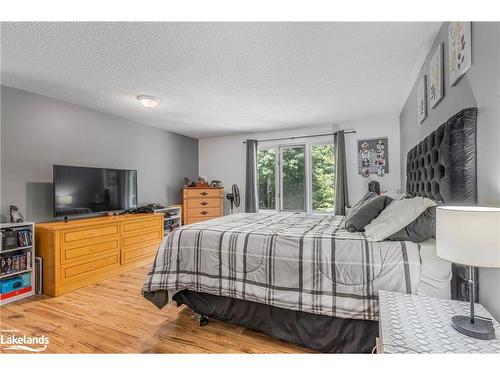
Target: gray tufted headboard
column 443, row 167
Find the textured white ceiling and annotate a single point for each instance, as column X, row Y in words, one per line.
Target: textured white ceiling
column 219, row 78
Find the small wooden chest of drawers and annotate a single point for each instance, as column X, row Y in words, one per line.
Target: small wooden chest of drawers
column 202, row 204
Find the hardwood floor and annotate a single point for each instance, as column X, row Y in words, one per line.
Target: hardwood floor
column 113, row 317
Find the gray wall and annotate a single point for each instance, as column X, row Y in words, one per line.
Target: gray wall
column 37, row 132
column 479, row 87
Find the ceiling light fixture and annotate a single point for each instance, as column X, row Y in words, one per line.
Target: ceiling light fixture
column 148, row 101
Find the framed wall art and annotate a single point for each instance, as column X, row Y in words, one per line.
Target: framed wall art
column 373, row 157
column 460, row 50
column 422, row 99
column 436, row 83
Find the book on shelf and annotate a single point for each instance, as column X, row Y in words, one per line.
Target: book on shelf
column 24, row 237
column 12, row 263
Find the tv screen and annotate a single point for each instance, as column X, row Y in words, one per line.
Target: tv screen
column 83, row 190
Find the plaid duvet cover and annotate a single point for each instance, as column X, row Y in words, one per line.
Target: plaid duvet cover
column 297, row 261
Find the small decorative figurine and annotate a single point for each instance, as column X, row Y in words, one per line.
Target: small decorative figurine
column 15, row 215
column 202, row 181
column 216, row 183
column 186, row 181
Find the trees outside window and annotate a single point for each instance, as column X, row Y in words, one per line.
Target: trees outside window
column 293, row 178
column 323, row 177
column 266, row 169
column 305, row 179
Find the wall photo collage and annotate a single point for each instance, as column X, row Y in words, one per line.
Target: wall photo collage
column 373, row 157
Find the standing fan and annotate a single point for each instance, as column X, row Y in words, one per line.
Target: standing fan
column 234, row 196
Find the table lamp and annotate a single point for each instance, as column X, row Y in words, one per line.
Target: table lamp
column 469, row 236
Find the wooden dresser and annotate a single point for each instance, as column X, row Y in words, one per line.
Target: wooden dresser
column 202, row 204
column 82, row 252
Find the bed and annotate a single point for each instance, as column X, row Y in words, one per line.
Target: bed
column 303, row 278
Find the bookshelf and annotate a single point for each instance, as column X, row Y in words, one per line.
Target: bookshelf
column 17, row 261
column 172, row 217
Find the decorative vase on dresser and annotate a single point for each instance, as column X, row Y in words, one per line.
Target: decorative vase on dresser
column 202, row 203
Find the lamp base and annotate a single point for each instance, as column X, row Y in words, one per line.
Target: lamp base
column 480, row 329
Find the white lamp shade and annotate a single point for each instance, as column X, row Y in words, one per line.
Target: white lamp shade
column 468, row 235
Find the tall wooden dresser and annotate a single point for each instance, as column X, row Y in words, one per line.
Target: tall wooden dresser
column 202, row 203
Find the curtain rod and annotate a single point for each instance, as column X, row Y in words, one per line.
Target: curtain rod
column 303, row 136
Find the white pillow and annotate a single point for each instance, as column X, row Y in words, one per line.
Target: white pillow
column 395, row 195
column 396, row 216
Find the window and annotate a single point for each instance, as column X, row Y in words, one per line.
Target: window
column 323, row 177
column 266, row 167
column 293, row 186
column 297, row 177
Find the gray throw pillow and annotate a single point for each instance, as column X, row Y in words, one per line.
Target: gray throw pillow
column 358, row 204
column 352, row 210
column 420, row 229
column 364, row 214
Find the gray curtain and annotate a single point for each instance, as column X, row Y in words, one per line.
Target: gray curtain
column 251, row 192
column 341, row 194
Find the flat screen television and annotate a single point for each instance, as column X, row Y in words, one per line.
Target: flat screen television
column 84, row 190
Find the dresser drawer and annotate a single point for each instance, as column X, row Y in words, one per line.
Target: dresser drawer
column 203, row 212
column 203, row 193
column 192, row 220
column 83, row 252
column 90, row 268
column 152, row 223
column 71, row 235
column 203, row 202
column 132, row 253
column 155, row 235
